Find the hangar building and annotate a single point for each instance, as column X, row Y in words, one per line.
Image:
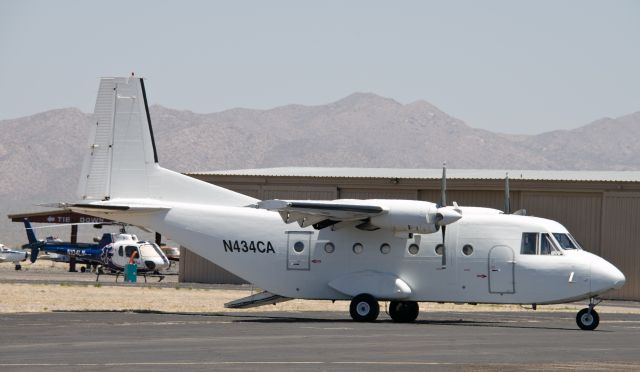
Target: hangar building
column 601, row 209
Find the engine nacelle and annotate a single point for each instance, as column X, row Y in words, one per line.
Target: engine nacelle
column 407, row 216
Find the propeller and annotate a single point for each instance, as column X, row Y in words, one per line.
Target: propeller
column 446, row 215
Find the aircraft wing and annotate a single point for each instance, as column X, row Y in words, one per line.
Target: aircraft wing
column 322, row 214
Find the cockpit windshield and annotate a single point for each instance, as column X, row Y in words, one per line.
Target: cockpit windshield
column 148, row 251
column 566, row 241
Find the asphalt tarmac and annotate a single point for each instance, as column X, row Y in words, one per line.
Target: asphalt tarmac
column 125, row 341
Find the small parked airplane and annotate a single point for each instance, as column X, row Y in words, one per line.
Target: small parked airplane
column 10, row 255
column 364, row 251
column 113, row 252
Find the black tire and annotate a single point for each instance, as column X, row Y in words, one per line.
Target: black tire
column 18, row 267
column 586, row 321
column 364, row 308
column 83, row 269
column 403, row 311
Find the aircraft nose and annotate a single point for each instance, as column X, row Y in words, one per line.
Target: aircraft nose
column 618, row 279
column 605, row 276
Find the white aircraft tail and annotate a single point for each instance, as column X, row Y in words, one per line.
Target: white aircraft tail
column 122, row 162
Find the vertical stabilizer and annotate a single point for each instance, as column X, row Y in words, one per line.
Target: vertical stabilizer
column 121, row 161
column 121, row 143
column 33, row 242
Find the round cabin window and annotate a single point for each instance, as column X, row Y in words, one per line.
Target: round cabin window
column 439, row 249
column 298, row 247
column 413, row 249
column 385, row 248
column 467, row 250
column 358, row 248
column 329, row 247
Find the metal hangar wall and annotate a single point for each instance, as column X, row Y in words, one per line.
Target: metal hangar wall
column 601, row 209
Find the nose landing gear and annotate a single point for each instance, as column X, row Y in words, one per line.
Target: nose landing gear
column 587, row 318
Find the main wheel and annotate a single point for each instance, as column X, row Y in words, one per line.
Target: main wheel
column 364, row 308
column 587, row 321
column 18, row 267
column 403, row 311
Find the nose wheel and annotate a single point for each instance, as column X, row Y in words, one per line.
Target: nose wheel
column 588, row 318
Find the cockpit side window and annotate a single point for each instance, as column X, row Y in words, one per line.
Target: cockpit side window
column 128, row 250
column 539, row 244
column 529, row 242
column 120, row 251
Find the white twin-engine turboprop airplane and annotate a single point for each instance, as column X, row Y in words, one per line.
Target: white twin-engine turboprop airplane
column 364, row 251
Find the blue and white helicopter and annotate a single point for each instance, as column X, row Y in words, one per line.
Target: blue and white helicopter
column 113, row 252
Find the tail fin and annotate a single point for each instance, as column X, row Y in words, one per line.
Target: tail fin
column 122, row 160
column 107, row 238
column 33, row 242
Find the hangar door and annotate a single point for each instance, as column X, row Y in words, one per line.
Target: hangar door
column 620, row 241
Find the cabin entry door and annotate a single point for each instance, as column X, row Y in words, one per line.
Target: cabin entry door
column 501, row 270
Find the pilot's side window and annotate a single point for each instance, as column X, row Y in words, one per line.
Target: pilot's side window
column 128, row 250
column 120, row 251
column 529, row 241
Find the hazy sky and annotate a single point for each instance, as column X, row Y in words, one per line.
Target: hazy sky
column 509, row 66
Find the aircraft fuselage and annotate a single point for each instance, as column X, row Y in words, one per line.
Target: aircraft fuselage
column 291, row 261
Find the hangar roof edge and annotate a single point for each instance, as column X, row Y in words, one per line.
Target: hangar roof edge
column 548, row 175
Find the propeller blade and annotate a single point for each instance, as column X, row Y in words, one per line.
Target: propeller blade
column 444, row 247
column 443, row 185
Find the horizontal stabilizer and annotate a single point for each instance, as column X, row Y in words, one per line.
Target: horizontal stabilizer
column 114, row 207
column 258, row 299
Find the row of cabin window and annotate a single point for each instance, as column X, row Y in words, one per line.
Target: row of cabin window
column 386, row 248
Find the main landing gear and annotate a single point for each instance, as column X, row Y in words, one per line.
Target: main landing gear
column 365, row 308
column 403, row 311
column 587, row 318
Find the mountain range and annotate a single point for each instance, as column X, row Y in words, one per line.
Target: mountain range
column 41, row 155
